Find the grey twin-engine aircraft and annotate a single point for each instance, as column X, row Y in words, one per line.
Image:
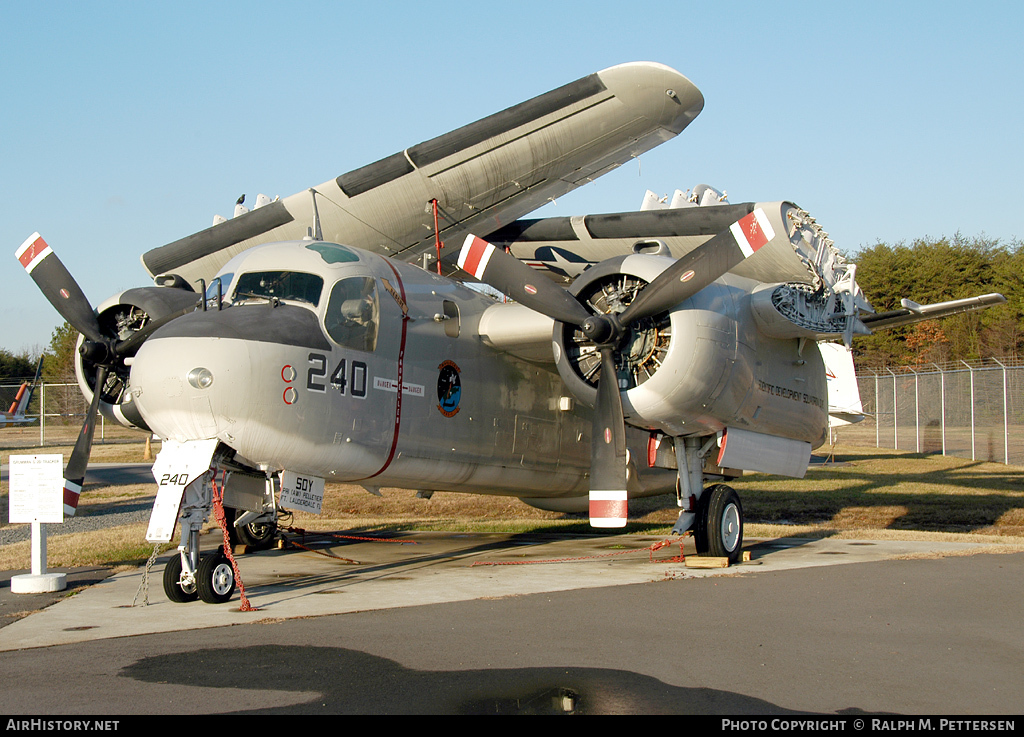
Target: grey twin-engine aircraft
column 573, row 362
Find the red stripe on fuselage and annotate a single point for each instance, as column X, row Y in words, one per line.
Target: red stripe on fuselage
column 401, row 371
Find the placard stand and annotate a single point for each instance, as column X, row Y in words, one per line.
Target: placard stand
column 39, row 581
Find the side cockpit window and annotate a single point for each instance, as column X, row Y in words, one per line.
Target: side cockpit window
column 353, row 313
column 293, row 285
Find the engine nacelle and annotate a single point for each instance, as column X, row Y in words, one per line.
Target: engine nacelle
column 119, row 317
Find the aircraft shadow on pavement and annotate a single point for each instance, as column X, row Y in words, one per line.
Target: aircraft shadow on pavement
column 342, row 680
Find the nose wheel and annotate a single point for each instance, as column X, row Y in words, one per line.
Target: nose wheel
column 215, row 579
column 176, row 588
column 718, row 531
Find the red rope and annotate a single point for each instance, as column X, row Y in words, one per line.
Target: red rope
column 335, row 535
column 651, row 548
column 218, row 512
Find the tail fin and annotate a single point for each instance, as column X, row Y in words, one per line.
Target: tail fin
column 24, row 395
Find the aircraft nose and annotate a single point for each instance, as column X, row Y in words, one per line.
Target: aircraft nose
column 188, row 388
column 662, row 93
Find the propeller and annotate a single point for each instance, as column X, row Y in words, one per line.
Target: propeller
column 609, row 332
column 63, row 292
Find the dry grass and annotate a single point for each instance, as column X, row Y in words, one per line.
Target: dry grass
column 879, row 494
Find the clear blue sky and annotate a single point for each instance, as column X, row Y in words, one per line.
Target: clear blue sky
column 124, row 126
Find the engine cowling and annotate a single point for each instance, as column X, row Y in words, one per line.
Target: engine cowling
column 673, row 368
column 119, row 317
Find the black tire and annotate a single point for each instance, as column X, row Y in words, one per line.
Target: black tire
column 257, row 536
column 719, row 526
column 215, row 578
column 173, row 589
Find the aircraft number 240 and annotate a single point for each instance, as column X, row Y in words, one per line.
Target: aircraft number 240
column 355, row 383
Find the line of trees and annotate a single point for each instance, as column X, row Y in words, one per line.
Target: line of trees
column 937, row 270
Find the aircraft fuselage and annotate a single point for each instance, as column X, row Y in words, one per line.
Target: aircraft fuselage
column 301, row 372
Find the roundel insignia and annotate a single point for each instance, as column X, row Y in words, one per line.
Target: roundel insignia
column 449, row 389
column 687, row 276
column 529, row 289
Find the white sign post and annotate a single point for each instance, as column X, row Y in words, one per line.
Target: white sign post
column 36, row 496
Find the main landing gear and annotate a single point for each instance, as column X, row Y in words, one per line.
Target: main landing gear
column 714, row 514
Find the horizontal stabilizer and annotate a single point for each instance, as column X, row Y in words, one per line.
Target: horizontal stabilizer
column 912, row 312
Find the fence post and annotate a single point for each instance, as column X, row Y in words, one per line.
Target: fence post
column 42, row 413
column 878, row 443
column 942, row 404
column 1006, row 425
column 973, row 454
column 895, row 415
column 917, row 412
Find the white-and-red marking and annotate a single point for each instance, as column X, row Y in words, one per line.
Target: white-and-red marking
column 608, row 508
column 71, row 493
column 752, row 231
column 475, row 254
column 32, row 252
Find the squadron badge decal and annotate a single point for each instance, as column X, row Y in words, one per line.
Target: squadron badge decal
column 449, row 389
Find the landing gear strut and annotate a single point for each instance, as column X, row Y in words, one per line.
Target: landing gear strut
column 714, row 514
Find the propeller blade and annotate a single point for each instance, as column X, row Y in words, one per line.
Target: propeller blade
column 511, row 276
column 74, row 474
column 58, row 286
column 701, row 266
column 608, row 501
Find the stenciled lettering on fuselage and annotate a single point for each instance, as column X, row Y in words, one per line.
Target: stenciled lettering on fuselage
column 449, row 389
column 793, row 394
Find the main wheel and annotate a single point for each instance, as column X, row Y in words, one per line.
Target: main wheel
column 172, row 587
column 258, row 535
column 215, row 578
column 719, row 528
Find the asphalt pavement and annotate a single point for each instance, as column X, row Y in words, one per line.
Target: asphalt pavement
column 444, row 623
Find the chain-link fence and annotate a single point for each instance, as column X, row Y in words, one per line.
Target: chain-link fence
column 59, row 422
column 967, row 409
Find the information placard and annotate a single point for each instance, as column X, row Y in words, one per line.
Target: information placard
column 302, row 493
column 36, row 488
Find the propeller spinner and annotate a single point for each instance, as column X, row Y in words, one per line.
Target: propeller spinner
column 610, row 332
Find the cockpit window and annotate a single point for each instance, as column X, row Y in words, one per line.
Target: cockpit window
column 219, row 285
column 332, row 253
column 352, row 313
column 293, row 285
